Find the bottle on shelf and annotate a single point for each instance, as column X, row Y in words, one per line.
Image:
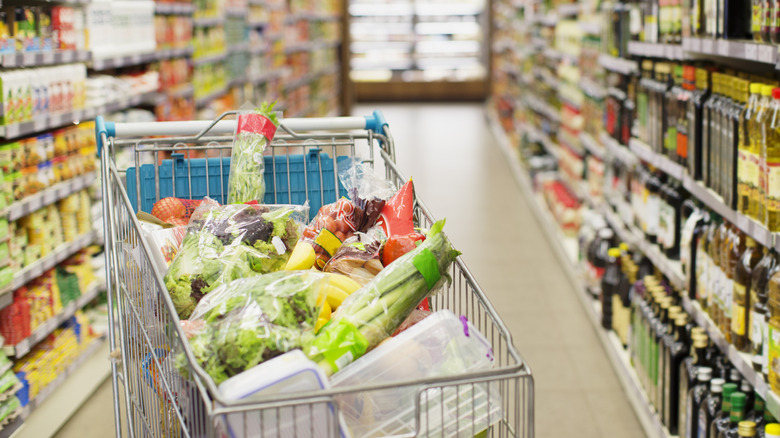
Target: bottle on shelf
column 740, row 311
column 772, row 344
column 711, row 132
column 695, row 111
column 763, row 119
column 757, row 414
column 745, row 429
column 734, row 19
column 709, row 409
column 757, row 20
column 690, row 236
column 664, row 374
column 696, row 396
column 677, row 349
column 687, row 78
column 734, row 250
column 738, row 93
column 610, row 284
column 771, row 163
column 721, row 419
column 736, row 414
column 673, row 84
column 772, row 430
column 660, row 326
column 598, row 255
column 773, row 9
column 688, row 371
column 746, row 173
column 752, row 152
column 642, row 101
column 766, row 24
column 653, row 208
column 621, row 301
column 759, row 286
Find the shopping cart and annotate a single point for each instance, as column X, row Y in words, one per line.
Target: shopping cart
column 191, row 160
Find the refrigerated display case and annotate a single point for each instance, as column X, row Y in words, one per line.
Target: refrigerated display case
column 425, row 49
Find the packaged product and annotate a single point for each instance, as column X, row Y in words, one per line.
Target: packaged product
column 255, row 130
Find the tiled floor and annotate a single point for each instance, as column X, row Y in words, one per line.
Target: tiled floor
column 460, row 172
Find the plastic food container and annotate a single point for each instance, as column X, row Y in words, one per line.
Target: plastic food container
column 440, row 345
column 285, row 374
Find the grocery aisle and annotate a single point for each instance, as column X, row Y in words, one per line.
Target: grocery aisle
column 460, row 171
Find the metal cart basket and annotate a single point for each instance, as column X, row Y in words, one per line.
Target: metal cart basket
column 144, row 162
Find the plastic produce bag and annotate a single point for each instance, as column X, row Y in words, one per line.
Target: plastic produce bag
column 228, row 242
column 374, row 312
column 333, row 224
column 358, row 257
column 367, row 190
column 255, row 131
column 245, row 322
column 441, row 345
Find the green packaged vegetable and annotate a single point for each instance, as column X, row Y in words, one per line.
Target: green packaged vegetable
column 225, row 243
column 374, row 312
column 255, row 131
column 245, row 322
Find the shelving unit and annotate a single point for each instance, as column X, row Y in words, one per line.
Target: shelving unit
column 418, row 50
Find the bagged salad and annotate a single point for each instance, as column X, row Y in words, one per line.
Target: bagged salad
column 248, row 321
column 254, row 132
column 224, row 243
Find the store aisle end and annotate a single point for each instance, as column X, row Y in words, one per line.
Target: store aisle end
column 458, row 168
column 461, row 172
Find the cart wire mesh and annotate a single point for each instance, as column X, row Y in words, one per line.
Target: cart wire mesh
column 159, row 392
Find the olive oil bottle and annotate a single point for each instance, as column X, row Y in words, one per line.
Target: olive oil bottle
column 773, row 337
column 753, row 151
column 721, row 419
column 763, row 118
column 759, row 284
column 695, row 113
column 746, row 147
column 740, row 316
column 771, row 162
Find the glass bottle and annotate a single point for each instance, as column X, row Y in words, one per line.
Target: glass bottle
column 684, row 97
column 699, row 96
column 766, row 21
column 752, row 151
column 710, row 408
column 773, row 336
column 677, row 348
column 703, row 262
column 688, row 372
column 771, row 162
column 757, row 20
column 744, row 174
column 713, row 287
column 670, row 111
column 736, row 414
column 696, row 396
column 759, row 284
column 739, row 98
column 653, row 209
column 642, row 99
column 721, row 419
column 764, row 120
column 741, row 298
column 610, row 283
column 737, row 249
column 773, row 10
column 711, row 132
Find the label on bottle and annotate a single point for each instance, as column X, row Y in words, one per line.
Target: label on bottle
column 773, row 359
column 701, row 431
column 757, row 18
column 756, row 330
column 738, row 313
column 773, row 186
column 653, row 213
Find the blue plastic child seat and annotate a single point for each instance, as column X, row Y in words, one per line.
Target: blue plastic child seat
column 176, row 170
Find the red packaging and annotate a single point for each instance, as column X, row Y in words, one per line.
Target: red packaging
column 397, row 214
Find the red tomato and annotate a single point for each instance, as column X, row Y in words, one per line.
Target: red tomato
column 396, row 246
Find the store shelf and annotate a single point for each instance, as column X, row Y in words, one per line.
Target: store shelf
column 749, row 226
column 208, row 21
column 591, row 145
column 48, row 196
column 175, row 8
column 654, row 50
column 62, row 252
column 615, row 352
column 59, row 400
column 209, row 59
column 618, row 65
column 663, row 163
column 37, row 59
column 738, row 50
column 310, row 77
column 40, row 333
column 207, row 99
column 542, row 107
column 10, row 429
column 106, row 63
column 617, row 150
column 310, row 46
column 51, row 121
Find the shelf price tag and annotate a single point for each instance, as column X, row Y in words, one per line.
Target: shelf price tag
column 767, row 54
column 751, row 52
column 707, row 46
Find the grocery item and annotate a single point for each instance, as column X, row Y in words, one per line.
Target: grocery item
column 333, row 224
column 250, row 320
column 227, row 242
column 442, row 344
column 255, row 131
column 289, row 372
column 375, row 311
column 396, row 217
column 358, row 257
